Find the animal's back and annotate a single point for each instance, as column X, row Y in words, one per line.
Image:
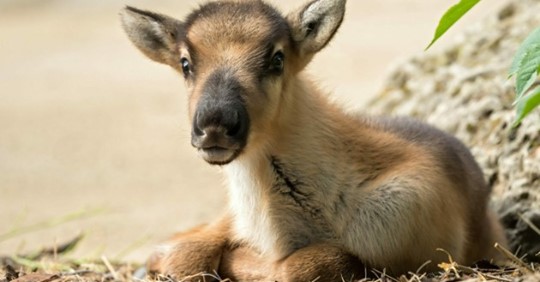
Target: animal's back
column 464, row 174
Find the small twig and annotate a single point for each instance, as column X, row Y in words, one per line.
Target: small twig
column 77, row 273
column 414, row 277
column 423, row 265
column 451, row 266
column 202, row 274
column 57, row 249
column 162, row 277
column 531, row 225
column 513, row 258
column 497, row 278
column 470, row 270
column 110, row 267
column 382, row 275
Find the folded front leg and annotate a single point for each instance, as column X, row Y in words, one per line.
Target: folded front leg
column 321, row 262
column 197, row 251
column 317, row 262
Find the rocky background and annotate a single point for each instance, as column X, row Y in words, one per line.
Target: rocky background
column 465, row 90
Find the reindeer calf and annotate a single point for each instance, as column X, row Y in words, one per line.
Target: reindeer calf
column 314, row 192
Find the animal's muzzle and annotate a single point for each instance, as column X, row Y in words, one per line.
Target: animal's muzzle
column 221, row 122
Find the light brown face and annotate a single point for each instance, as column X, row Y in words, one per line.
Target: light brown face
column 237, row 58
column 234, row 58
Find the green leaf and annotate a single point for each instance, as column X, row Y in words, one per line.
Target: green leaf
column 526, row 104
column 451, row 17
column 527, row 70
column 531, row 40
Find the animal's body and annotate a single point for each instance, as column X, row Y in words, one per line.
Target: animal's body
column 314, row 191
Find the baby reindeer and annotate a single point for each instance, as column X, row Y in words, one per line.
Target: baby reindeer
column 314, row 192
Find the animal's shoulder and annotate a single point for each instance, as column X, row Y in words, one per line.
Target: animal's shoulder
column 417, row 132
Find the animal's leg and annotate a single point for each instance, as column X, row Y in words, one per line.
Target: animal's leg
column 244, row 264
column 483, row 245
column 197, row 251
column 321, row 262
column 317, row 262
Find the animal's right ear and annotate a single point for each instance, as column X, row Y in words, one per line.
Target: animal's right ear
column 314, row 25
column 156, row 35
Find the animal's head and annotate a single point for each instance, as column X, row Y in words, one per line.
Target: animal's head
column 237, row 58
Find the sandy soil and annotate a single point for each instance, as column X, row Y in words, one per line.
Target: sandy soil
column 87, row 122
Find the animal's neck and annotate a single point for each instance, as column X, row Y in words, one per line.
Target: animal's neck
column 306, row 117
column 285, row 173
column 307, row 123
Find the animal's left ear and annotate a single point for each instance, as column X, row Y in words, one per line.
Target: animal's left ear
column 154, row 34
column 314, row 25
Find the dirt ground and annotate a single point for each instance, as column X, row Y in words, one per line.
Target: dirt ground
column 87, row 122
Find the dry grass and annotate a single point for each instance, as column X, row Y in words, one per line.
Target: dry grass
column 51, row 265
column 47, row 270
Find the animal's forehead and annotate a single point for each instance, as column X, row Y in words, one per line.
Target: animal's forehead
column 236, row 22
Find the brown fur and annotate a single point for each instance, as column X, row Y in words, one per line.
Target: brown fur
column 315, row 192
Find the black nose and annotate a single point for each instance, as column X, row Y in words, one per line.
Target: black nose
column 228, row 121
column 220, row 125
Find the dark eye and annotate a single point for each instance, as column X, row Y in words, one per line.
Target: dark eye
column 186, row 68
column 277, row 62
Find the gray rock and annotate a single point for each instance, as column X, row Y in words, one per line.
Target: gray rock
column 519, row 210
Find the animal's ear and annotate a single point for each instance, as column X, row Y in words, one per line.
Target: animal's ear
column 314, row 25
column 156, row 35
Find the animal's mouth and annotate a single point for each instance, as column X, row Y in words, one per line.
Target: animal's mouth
column 216, row 155
column 216, row 147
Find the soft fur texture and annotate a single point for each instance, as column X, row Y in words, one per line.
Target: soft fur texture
column 315, row 192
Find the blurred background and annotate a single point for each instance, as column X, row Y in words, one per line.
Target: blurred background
column 94, row 137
